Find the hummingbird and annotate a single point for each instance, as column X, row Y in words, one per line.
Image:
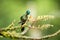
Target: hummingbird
column 23, row 19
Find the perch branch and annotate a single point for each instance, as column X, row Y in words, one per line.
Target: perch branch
column 2, row 33
column 40, row 38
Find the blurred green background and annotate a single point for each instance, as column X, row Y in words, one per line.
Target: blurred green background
column 13, row 9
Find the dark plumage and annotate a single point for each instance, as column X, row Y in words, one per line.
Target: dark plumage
column 23, row 19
